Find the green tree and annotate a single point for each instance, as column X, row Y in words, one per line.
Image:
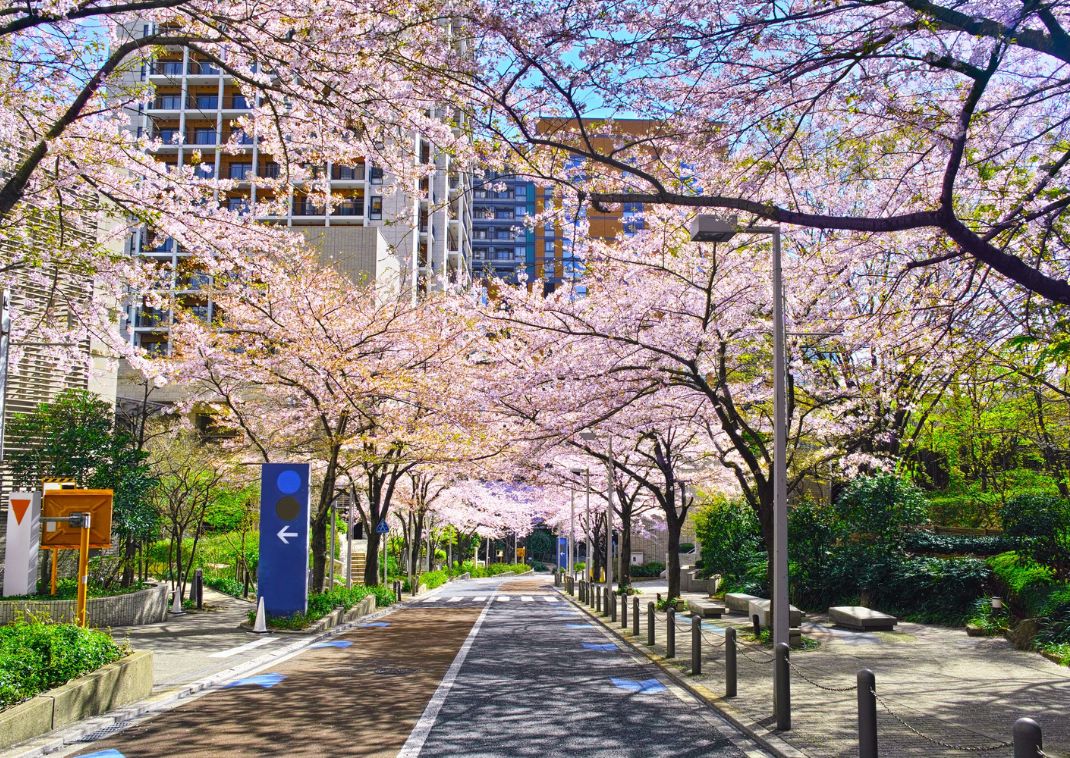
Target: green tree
column 731, row 539
column 1039, row 527
column 74, row 436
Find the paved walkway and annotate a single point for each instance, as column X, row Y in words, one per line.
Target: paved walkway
column 959, row 690
column 461, row 672
column 197, row 644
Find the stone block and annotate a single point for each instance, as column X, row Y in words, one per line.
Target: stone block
column 762, row 609
column 860, row 618
column 110, row 687
column 739, row 602
column 25, row 721
column 706, row 608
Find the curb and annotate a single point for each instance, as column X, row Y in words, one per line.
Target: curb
column 767, row 738
column 122, row 718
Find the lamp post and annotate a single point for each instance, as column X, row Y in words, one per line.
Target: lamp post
column 707, row 228
column 572, row 529
column 591, row 436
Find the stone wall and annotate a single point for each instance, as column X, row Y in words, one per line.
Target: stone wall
column 147, row 606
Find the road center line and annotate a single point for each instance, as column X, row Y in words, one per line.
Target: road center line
column 420, row 732
column 242, row 648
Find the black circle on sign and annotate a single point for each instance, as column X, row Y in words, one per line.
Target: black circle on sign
column 287, row 508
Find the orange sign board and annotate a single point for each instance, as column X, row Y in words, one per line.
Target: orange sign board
column 62, row 503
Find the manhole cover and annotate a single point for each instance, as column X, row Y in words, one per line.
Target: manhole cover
column 392, row 671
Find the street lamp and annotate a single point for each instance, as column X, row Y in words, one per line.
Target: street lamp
column 572, row 532
column 590, row 436
column 707, row 228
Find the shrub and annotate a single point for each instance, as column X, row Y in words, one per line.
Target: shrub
column 433, row 579
column 816, row 569
column 1038, row 525
column 731, row 538
column 650, row 568
column 686, row 547
column 878, row 510
column 225, row 584
column 1031, row 589
column 930, row 590
column 495, row 569
column 322, row 603
column 1055, row 629
column 36, row 656
column 923, row 541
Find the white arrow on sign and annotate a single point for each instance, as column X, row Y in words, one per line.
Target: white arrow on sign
column 283, row 534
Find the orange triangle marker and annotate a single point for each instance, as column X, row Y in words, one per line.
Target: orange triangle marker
column 19, row 507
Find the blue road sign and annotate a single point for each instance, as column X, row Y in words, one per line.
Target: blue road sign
column 282, row 578
column 562, row 552
column 382, row 527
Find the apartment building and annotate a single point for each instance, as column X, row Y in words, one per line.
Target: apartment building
column 372, row 229
column 503, row 245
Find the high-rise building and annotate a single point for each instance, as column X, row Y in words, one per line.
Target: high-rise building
column 419, row 236
column 503, row 245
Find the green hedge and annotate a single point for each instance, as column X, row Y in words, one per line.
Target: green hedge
column 650, row 568
column 1031, row 588
column 322, row 603
column 955, row 544
column 36, row 656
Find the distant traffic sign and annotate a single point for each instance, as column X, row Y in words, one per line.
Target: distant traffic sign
column 282, row 576
column 382, row 527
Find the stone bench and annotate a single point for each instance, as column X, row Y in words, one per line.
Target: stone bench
column 761, row 609
column 861, row 619
column 706, row 608
column 739, row 602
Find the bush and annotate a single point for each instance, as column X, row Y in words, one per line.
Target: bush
column 225, row 584
column 685, row 547
column 816, row 569
column 923, row 541
column 731, row 539
column 1055, row 629
column 931, row 590
column 1031, row 589
column 1038, row 525
column 433, row 579
column 322, row 603
column 36, row 656
column 650, row 568
column 879, row 510
column 495, row 569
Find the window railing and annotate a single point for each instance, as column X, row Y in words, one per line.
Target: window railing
column 347, row 173
column 348, row 208
column 168, row 68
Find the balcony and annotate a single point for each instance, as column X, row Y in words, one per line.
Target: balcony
column 347, row 173
column 176, row 103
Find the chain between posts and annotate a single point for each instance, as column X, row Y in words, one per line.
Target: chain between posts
column 940, row 743
column 820, row 686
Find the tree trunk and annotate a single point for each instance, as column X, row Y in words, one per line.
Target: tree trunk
column 625, row 573
column 129, row 553
column 673, row 527
column 371, row 566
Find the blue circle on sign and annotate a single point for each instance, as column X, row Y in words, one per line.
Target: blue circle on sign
column 288, row 482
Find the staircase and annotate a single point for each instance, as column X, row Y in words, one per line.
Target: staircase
column 358, row 560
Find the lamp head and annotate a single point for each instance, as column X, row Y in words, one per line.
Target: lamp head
column 707, row 228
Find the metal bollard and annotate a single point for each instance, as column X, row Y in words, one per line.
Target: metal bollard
column 635, row 616
column 612, row 597
column 1028, row 739
column 397, row 590
column 696, row 644
column 782, row 687
column 867, row 714
column 198, row 588
column 598, row 600
column 623, row 611
column 581, row 591
column 730, row 662
column 650, row 624
column 670, row 631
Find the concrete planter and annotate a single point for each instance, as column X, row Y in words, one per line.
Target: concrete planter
column 105, row 689
column 337, row 617
column 147, row 606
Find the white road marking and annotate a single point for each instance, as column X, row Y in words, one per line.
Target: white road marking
column 551, row 599
column 503, row 598
column 242, row 648
column 418, row 736
column 455, row 599
column 526, row 598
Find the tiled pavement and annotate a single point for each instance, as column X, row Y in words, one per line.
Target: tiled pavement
column 958, row 690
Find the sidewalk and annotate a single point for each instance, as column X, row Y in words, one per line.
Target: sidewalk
column 198, row 644
column 960, row 691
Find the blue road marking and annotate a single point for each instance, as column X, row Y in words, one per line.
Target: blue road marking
column 333, row 643
column 109, row 753
column 260, row 680
column 713, row 627
column 632, row 685
column 600, row 646
column 579, row 626
column 373, row 624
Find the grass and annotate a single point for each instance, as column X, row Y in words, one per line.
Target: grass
column 1060, row 652
column 765, row 638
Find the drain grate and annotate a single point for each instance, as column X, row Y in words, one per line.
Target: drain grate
column 104, row 733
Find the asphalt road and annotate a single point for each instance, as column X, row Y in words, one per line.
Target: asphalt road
column 479, row 668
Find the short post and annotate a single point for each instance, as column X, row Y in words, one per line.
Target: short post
column 730, row 662
column 1028, row 739
column 782, row 688
column 597, row 599
column 397, row 590
column 623, row 611
column 650, row 624
column 867, row 714
column 582, row 597
column 670, row 631
column 635, row 616
column 198, row 587
column 696, row 644
column 612, row 597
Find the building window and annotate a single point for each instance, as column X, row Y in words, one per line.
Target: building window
column 240, row 171
column 503, row 213
column 375, row 210
column 204, row 136
column 204, row 171
column 238, row 204
column 167, row 136
column 375, row 175
column 169, row 68
column 270, row 170
column 169, row 102
column 239, row 102
column 207, row 102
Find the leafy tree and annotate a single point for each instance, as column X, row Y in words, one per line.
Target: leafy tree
column 731, row 539
column 74, row 436
column 878, row 509
column 1039, row 526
